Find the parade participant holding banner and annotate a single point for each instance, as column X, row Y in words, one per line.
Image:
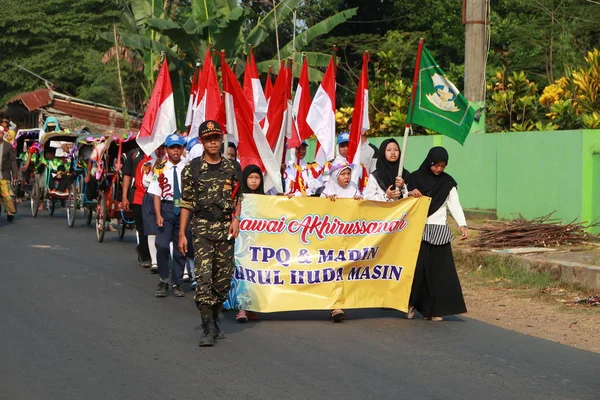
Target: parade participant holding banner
column 436, row 288
column 384, row 184
column 210, row 192
column 340, row 186
column 252, row 183
column 167, row 195
column 360, row 173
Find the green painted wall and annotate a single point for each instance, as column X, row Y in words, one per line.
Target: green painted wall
column 595, row 200
column 538, row 173
column 528, row 173
column 474, row 166
column 590, row 203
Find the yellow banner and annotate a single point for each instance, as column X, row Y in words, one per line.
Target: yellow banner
column 312, row 253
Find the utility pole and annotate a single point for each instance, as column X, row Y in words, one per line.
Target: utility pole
column 474, row 14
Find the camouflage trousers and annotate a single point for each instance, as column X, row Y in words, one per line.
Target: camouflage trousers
column 213, row 266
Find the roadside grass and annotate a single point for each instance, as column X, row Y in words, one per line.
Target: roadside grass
column 508, row 273
column 518, row 279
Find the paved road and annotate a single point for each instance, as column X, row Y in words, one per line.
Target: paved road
column 79, row 321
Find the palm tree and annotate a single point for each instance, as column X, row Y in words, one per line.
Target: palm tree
column 153, row 27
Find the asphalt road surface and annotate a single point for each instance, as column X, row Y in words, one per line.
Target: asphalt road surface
column 79, row 320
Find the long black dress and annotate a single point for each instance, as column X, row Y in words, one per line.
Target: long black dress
column 436, row 289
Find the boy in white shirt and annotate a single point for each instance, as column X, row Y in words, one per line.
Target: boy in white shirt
column 166, row 189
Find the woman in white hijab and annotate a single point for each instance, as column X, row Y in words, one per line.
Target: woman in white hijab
column 340, row 183
column 340, row 186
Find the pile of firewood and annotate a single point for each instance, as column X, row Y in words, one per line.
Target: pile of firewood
column 539, row 232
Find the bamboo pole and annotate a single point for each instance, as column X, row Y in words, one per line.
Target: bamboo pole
column 123, row 101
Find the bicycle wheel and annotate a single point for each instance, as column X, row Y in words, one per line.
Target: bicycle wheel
column 35, row 198
column 72, row 205
column 87, row 215
column 101, row 217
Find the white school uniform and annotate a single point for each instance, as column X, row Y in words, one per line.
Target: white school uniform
column 156, row 188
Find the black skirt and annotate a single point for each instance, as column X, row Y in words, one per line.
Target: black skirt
column 436, row 289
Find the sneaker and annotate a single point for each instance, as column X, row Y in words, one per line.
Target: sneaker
column 154, row 269
column 252, row 316
column 193, row 285
column 10, row 217
column 146, row 263
column 411, row 313
column 162, row 289
column 177, row 292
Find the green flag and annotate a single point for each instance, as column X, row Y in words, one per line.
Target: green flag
column 439, row 105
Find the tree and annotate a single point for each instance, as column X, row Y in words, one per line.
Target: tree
column 55, row 39
column 224, row 24
column 542, row 37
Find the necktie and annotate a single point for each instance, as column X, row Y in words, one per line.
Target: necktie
column 176, row 192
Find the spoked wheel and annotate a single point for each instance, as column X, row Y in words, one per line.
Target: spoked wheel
column 101, row 217
column 51, row 205
column 121, row 228
column 35, row 198
column 72, row 205
column 87, row 214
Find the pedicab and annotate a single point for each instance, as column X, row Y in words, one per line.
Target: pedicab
column 52, row 170
column 110, row 186
column 83, row 195
column 26, row 143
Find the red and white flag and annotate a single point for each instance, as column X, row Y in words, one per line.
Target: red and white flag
column 208, row 99
column 253, row 147
column 268, row 86
column 159, row 120
column 253, row 88
column 300, row 128
column 268, row 93
column 321, row 116
column 276, row 124
column 193, row 93
column 360, row 116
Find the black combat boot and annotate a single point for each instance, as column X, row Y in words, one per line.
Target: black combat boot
column 208, row 335
column 219, row 334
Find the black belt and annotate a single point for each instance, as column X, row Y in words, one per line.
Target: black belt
column 213, row 217
column 166, row 201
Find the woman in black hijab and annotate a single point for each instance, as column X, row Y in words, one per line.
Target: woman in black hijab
column 436, row 288
column 252, row 181
column 384, row 183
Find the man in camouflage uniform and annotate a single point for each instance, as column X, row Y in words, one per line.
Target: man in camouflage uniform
column 210, row 194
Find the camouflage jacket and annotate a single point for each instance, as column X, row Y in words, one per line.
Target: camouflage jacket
column 212, row 195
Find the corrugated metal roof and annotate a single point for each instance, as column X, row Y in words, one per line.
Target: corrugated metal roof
column 34, row 100
column 94, row 114
column 86, row 111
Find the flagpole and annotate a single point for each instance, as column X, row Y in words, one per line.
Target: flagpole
column 408, row 127
column 225, row 138
column 194, row 83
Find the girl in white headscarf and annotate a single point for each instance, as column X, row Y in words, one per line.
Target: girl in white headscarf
column 340, row 183
column 340, row 186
